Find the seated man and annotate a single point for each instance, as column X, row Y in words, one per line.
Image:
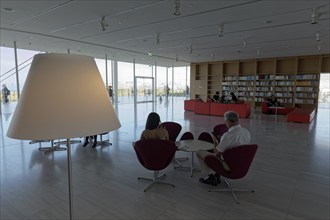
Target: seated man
column 235, row 136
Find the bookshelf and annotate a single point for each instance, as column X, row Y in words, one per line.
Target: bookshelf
column 293, row 80
column 230, row 77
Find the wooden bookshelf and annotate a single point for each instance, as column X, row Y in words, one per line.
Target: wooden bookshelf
column 293, row 80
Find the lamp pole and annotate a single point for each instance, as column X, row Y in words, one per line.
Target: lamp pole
column 69, row 177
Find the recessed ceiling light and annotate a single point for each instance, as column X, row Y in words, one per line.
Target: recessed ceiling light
column 8, row 9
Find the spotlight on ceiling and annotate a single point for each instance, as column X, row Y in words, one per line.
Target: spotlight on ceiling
column 220, row 30
column 191, row 50
column 315, row 16
column 177, row 11
column 104, row 24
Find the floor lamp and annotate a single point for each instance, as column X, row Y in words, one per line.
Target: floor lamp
column 63, row 97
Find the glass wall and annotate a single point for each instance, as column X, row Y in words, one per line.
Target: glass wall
column 163, row 76
column 125, row 83
column 7, row 75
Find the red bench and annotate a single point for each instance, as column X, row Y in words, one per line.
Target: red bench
column 243, row 110
column 302, row 115
column 189, row 105
column 283, row 111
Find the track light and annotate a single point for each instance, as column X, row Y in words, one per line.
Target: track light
column 177, row 11
column 315, row 16
column 176, row 58
column 319, row 47
column 317, row 36
column 104, row 24
column 220, row 30
column 212, row 56
column 158, row 39
column 258, row 52
column 244, row 44
column 191, row 50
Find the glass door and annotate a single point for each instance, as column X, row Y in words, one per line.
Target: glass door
column 144, row 89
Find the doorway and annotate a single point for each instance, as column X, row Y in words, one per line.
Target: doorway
column 144, row 89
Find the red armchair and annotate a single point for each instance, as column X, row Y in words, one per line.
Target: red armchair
column 239, row 160
column 155, row 155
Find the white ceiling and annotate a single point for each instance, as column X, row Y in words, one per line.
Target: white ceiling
column 270, row 28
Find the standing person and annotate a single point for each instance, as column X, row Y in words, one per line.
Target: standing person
column 187, row 90
column 5, row 93
column 111, row 93
column 234, row 99
column 153, row 130
column 236, row 135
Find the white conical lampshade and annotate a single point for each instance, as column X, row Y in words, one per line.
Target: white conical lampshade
column 63, row 97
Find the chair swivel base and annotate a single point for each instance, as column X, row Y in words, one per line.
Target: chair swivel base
column 103, row 142
column 54, row 147
column 232, row 190
column 155, row 181
column 179, row 160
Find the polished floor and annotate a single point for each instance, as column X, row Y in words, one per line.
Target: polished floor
column 290, row 173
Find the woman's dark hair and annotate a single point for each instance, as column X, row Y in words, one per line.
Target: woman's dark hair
column 153, row 121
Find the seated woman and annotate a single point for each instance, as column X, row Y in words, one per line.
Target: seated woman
column 152, row 129
column 234, row 99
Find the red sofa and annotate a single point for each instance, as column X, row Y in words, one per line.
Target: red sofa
column 202, row 108
column 282, row 111
column 243, row 110
column 302, row 115
column 189, row 105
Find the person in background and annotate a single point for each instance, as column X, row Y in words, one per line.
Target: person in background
column 235, row 136
column 110, row 92
column 234, row 99
column 216, row 97
column 272, row 101
column 88, row 138
column 223, row 97
column 5, row 93
column 152, row 128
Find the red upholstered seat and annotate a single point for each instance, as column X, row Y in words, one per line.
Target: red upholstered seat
column 302, row 115
column 219, row 130
column 239, row 160
column 202, row 108
column 189, row 105
column 187, row 136
column 155, row 155
column 205, row 136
